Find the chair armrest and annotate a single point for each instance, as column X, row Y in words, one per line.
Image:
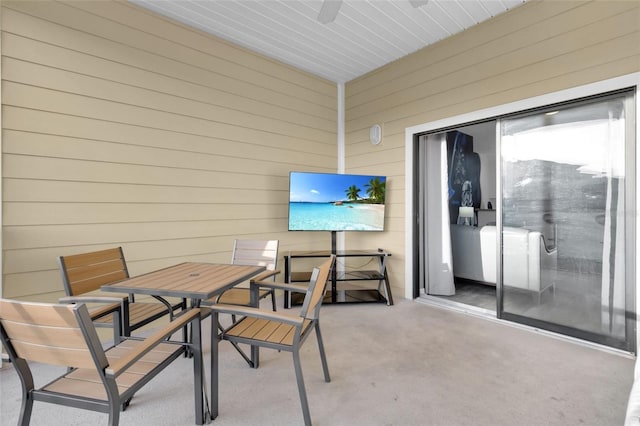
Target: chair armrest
column 256, row 313
column 296, row 288
column 266, row 274
column 258, row 280
column 92, row 299
column 121, row 364
column 112, row 304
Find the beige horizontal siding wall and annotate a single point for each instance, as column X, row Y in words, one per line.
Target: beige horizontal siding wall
column 123, row 128
column 534, row 49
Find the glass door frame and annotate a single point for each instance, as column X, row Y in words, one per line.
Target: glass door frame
column 631, row 188
column 411, row 270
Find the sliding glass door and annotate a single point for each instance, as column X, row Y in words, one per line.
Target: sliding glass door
column 567, row 219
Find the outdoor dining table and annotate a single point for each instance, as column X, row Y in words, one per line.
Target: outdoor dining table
column 196, row 282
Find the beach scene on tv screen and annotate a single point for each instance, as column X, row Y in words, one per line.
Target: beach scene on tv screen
column 335, row 202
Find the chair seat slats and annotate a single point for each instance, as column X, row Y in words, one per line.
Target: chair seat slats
column 155, row 357
column 87, row 382
column 264, row 330
column 133, row 374
column 238, row 296
column 288, row 339
column 148, row 361
column 138, row 311
column 253, row 328
column 283, row 334
column 124, row 381
column 128, row 379
column 141, row 367
column 162, row 347
column 104, row 321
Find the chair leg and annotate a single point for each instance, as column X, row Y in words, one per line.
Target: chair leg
column 273, row 300
column 126, row 321
column 323, row 356
column 255, row 356
column 185, row 329
column 215, row 373
column 25, row 411
column 117, row 327
column 115, row 404
column 114, row 415
column 198, row 373
column 26, row 379
column 301, row 388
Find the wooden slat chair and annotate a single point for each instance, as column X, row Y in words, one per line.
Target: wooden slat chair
column 275, row 330
column 254, row 253
column 95, row 379
column 83, row 275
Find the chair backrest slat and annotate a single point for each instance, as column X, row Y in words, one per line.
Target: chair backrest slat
column 82, row 273
column 46, row 333
column 255, row 252
column 67, row 336
column 317, row 286
column 54, row 355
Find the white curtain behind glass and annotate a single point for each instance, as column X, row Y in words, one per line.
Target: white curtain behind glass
column 613, row 256
column 439, row 274
column 596, row 146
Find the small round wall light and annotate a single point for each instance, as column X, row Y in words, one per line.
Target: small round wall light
column 375, row 134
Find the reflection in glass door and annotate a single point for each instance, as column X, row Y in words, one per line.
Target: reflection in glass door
column 567, row 220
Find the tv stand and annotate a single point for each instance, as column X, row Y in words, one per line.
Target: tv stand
column 335, row 294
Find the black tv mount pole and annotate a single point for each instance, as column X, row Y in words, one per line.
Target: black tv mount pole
column 334, row 237
column 334, row 270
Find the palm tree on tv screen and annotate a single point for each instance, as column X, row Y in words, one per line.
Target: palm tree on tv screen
column 353, row 193
column 376, row 190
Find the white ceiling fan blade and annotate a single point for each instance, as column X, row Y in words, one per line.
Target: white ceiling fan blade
column 329, row 11
column 418, row 3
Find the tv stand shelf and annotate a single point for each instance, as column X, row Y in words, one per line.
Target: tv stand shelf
column 336, row 294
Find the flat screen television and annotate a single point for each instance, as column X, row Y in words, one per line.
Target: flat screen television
column 336, row 202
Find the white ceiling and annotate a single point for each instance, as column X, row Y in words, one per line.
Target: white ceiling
column 365, row 35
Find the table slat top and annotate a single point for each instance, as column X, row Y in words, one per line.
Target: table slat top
column 189, row 280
